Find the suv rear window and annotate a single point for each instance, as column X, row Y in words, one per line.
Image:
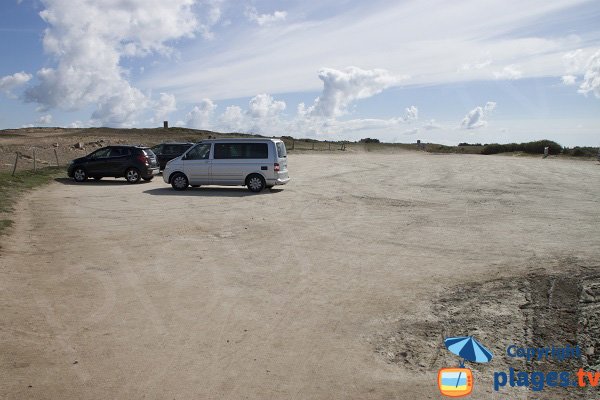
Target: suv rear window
column 241, row 150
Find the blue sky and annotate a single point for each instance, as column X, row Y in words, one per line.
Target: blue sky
column 439, row 71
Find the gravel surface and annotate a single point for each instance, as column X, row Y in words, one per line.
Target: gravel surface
column 310, row 291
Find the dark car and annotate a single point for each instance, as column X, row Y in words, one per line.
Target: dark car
column 130, row 162
column 165, row 152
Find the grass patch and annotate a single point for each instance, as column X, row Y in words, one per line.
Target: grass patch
column 11, row 187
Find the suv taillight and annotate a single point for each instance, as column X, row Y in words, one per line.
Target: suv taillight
column 276, row 167
column 143, row 158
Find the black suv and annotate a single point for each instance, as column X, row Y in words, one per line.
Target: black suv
column 168, row 151
column 129, row 162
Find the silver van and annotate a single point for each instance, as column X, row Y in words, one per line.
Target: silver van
column 256, row 163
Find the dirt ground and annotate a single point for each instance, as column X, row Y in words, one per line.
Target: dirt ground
column 339, row 285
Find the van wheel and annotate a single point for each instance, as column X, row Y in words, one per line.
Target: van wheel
column 79, row 175
column 179, row 182
column 256, row 183
column 132, row 175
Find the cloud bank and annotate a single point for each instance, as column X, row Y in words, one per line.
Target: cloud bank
column 88, row 42
column 341, row 89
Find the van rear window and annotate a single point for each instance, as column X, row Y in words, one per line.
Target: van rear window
column 241, row 150
column 281, row 151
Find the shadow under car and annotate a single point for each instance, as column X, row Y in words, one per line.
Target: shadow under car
column 241, row 191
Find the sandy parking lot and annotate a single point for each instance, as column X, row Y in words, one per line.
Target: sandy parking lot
column 110, row 290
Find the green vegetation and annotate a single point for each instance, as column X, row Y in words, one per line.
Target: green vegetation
column 462, row 148
column 369, row 140
column 11, row 187
column 581, row 151
column 529, row 147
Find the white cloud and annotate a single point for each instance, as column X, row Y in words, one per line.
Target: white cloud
column 233, row 119
column 201, row 115
column 211, row 14
column 412, row 114
column 90, row 39
column 413, row 131
column 569, row 80
column 10, row 82
column 574, row 61
column 509, row 72
column 342, row 87
column 431, row 125
column 476, row 65
column 121, row 108
column 476, row 117
column 263, row 106
column 165, row 105
column 264, row 19
column 489, row 106
column 591, row 78
column 45, row 119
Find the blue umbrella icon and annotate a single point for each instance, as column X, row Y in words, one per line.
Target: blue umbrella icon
column 469, row 349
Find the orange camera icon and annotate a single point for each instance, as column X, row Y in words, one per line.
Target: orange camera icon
column 455, row 382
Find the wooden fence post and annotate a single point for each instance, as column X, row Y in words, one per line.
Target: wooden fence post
column 34, row 161
column 313, row 145
column 329, row 146
column 293, row 144
column 16, row 160
column 56, row 156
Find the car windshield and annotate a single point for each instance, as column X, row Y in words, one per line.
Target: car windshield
column 200, row 152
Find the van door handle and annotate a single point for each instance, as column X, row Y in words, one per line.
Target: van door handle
column 264, row 168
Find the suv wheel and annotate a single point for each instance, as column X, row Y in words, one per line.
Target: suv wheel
column 179, row 181
column 132, row 175
column 79, row 175
column 256, row 183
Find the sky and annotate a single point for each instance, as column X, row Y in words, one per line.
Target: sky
column 400, row 71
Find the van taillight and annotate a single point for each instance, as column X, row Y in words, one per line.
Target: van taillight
column 276, row 167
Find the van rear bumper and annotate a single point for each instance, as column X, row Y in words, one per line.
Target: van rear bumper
column 280, row 181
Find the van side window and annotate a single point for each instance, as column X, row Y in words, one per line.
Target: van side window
column 241, row 150
column 200, row 152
